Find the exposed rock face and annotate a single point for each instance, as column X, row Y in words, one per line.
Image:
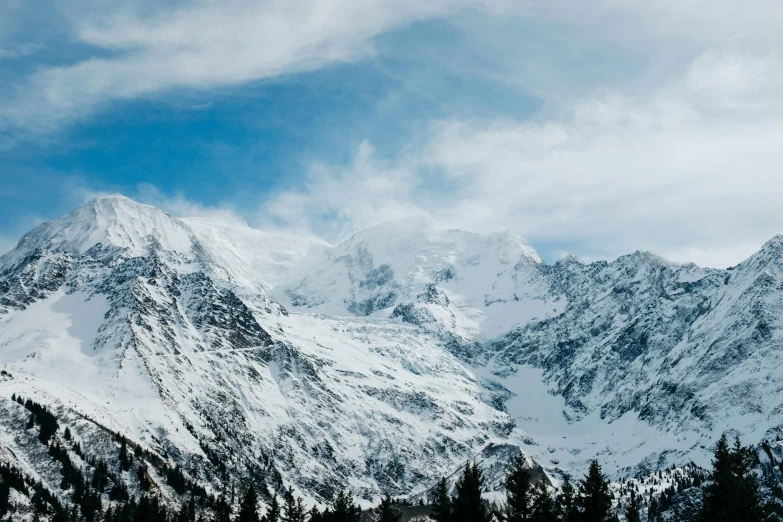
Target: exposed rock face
column 147, row 335
column 388, row 360
column 687, row 350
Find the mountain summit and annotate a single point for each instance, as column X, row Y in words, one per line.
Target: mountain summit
column 383, row 362
column 110, row 221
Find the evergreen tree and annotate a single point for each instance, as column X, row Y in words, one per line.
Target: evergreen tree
column 185, row 515
column 719, row 496
column 314, row 515
column 751, row 506
column 273, row 510
column 594, row 502
column 248, row 509
column 543, row 505
column 652, row 510
column 441, row 506
column 5, row 490
column 344, row 509
column 468, row 505
column 387, row 512
column 222, row 511
column 566, row 502
column 632, row 512
column 293, row 510
column 142, row 475
column 733, row 495
column 124, row 462
column 176, row 479
column 518, row 491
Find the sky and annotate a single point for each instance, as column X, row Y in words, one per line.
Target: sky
column 589, row 127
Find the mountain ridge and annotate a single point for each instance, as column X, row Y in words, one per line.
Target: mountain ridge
column 384, row 360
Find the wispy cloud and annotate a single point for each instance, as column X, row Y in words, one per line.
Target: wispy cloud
column 678, row 155
column 17, row 51
column 141, row 49
column 685, row 170
column 335, row 202
column 175, row 204
column 201, row 45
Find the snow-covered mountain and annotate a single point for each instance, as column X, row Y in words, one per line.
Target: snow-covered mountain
column 383, row 362
column 131, row 318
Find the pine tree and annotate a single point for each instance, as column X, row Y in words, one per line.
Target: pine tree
column 543, row 507
column 566, row 502
column 441, row 506
column 5, row 491
column 518, row 491
column 632, row 512
column 733, row 495
column 185, row 515
column 718, row 497
column 594, row 502
column 387, row 512
column 751, row 507
column 248, row 509
column 314, row 515
column 468, row 505
column 293, row 510
column 272, row 510
column 652, row 510
column 344, row 509
column 222, row 511
column 124, row 463
column 67, row 434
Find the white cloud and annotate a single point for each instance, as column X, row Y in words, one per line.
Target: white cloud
column 688, row 171
column 335, row 202
column 16, row 52
column 177, row 205
column 146, row 48
column 684, row 159
column 205, row 44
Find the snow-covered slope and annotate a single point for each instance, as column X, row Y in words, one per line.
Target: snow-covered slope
column 472, row 285
column 667, row 355
column 385, row 361
column 254, row 257
column 153, row 338
column 115, row 222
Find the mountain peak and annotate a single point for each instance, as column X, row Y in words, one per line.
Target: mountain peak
column 775, row 242
column 770, row 253
column 111, row 220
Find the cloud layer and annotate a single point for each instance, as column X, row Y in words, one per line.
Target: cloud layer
column 202, row 44
column 688, row 170
column 679, row 155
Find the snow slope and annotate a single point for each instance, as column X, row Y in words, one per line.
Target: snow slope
column 197, row 363
column 488, row 283
column 385, row 361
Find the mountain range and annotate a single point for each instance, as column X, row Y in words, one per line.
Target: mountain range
column 381, row 363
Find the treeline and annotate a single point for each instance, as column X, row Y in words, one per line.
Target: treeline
column 40, row 417
column 86, row 485
column 730, row 494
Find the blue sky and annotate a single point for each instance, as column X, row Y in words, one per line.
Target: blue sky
column 596, row 128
